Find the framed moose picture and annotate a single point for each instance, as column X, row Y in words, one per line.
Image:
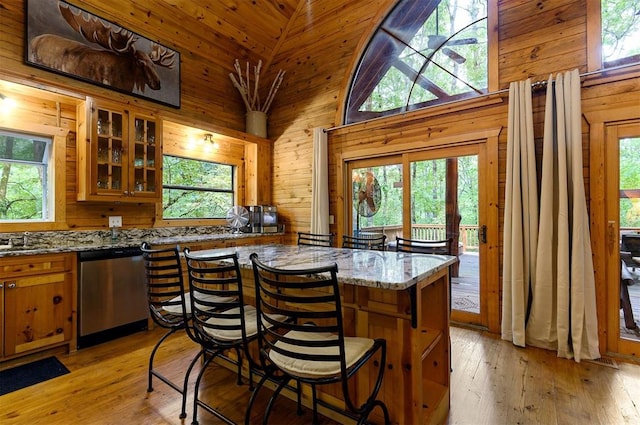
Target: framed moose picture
column 71, row 41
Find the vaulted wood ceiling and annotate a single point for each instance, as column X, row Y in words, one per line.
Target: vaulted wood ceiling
column 220, row 30
column 314, row 41
column 303, row 37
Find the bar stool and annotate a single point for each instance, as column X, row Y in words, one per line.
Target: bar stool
column 311, row 348
column 317, row 239
column 374, row 241
column 442, row 247
column 167, row 306
column 221, row 322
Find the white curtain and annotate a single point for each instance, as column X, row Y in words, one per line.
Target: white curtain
column 563, row 309
column 520, row 215
column 320, row 183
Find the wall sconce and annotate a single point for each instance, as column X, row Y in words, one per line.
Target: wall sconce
column 6, row 103
column 208, row 138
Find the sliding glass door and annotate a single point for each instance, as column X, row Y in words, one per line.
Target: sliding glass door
column 433, row 195
column 623, row 218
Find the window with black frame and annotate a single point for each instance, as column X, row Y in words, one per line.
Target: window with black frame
column 425, row 52
column 620, row 32
column 196, row 189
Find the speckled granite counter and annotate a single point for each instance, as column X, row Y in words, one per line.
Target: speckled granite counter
column 87, row 240
column 377, row 269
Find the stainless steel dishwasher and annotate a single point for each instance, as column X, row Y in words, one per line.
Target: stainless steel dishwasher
column 112, row 299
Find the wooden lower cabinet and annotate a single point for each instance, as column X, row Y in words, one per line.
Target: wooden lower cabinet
column 38, row 303
column 417, row 375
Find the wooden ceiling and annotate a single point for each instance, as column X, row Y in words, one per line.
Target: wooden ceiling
column 218, row 30
column 314, row 41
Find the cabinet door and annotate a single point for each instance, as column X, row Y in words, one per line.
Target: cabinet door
column 111, row 151
column 38, row 312
column 119, row 154
column 146, row 152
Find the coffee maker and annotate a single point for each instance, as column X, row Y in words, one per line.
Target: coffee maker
column 269, row 219
column 255, row 218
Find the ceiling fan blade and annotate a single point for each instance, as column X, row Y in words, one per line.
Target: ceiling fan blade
column 435, row 41
column 457, row 58
column 462, row 41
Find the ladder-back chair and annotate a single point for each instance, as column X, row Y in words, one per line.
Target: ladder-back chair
column 312, row 348
column 374, row 241
column 317, row 239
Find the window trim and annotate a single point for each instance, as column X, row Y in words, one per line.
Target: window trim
column 58, row 178
column 492, row 67
column 209, row 220
column 238, row 189
column 46, row 168
column 594, row 41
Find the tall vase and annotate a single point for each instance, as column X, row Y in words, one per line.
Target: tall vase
column 256, row 123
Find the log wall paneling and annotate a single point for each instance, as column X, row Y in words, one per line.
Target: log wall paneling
column 317, row 43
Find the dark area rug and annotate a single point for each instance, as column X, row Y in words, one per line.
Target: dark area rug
column 31, row 373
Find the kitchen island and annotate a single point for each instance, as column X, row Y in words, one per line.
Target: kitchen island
column 401, row 297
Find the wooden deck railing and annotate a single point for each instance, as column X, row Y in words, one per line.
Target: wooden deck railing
column 468, row 233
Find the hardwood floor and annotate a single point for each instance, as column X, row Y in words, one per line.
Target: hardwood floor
column 493, row 382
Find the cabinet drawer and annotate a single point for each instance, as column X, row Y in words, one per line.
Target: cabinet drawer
column 35, row 264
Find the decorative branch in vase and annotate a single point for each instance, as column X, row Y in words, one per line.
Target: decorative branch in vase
column 256, row 110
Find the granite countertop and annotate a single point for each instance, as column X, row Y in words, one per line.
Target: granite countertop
column 378, row 269
column 70, row 241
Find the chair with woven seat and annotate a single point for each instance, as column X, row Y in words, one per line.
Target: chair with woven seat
column 222, row 323
column 317, row 239
column 312, row 348
column 375, row 241
column 442, row 247
column 167, row 306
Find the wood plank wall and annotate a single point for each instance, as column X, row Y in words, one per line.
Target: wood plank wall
column 318, row 43
column 206, row 91
column 320, row 52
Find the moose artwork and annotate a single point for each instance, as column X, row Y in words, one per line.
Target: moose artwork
column 68, row 40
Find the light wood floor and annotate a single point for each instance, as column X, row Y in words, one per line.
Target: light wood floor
column 493, row 382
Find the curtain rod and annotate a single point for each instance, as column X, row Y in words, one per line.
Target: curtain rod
column 534, row 86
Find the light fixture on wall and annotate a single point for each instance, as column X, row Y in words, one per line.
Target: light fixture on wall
column 6, row 103
column 208, row 138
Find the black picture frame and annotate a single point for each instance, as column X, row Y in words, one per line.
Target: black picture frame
column 110, row 56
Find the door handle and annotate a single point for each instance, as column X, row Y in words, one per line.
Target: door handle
column 482, row 234
column 612, row 235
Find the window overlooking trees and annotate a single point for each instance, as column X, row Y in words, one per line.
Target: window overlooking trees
column 194, row 189
column 25, row 179
column 620, row 32
column 377, row 197
column 425, row 52
column 630, row 183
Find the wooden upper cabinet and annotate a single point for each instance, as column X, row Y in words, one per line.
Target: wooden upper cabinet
column 119, row 153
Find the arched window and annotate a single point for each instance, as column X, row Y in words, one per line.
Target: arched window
column 425, row 52
column 620, row 32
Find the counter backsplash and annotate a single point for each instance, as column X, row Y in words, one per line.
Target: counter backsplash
column 104, row 237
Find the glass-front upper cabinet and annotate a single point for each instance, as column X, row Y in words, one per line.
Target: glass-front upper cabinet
column 119, row 154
